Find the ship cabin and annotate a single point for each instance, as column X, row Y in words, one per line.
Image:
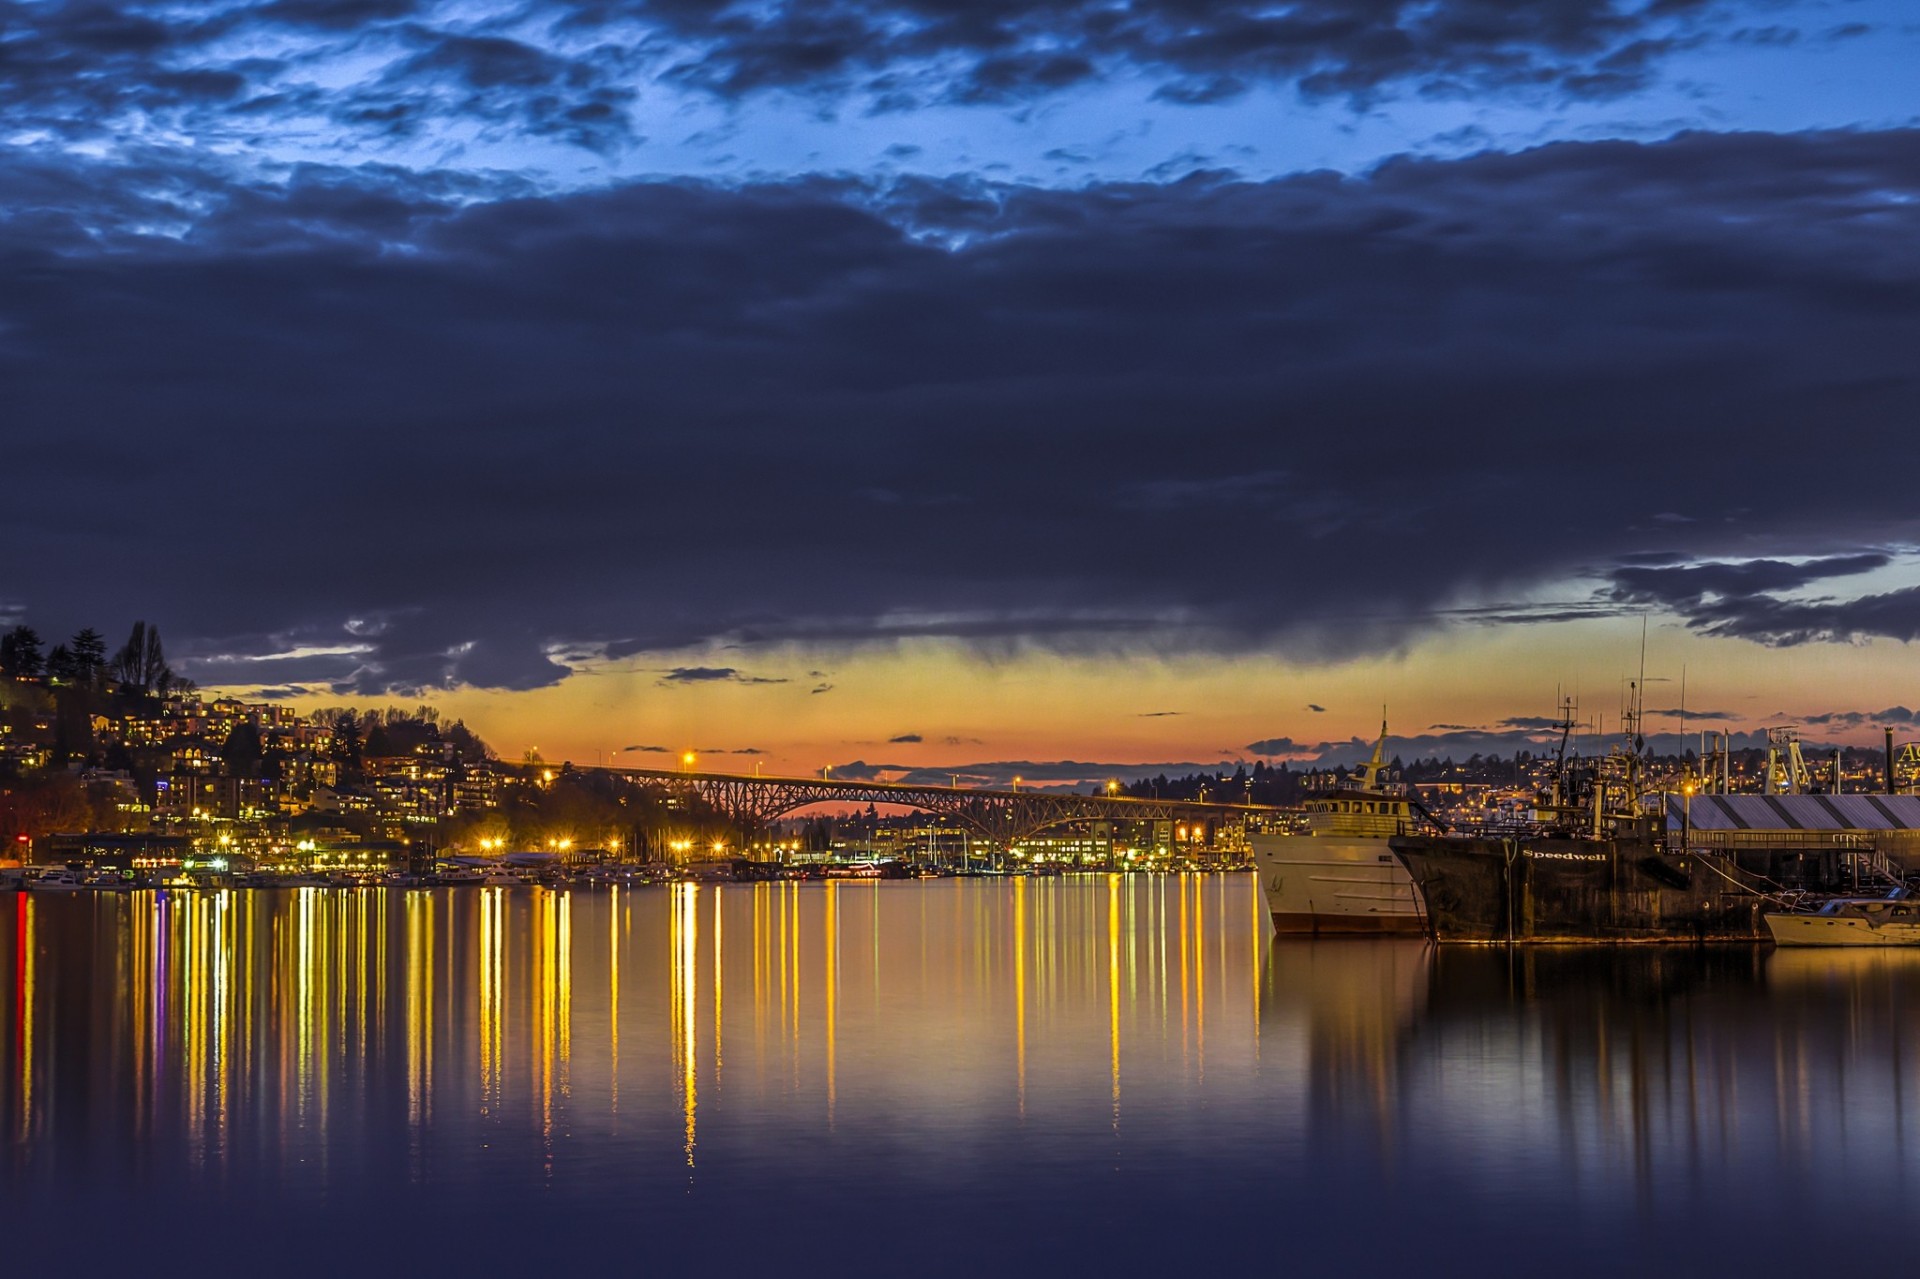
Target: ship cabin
column 1362, row 813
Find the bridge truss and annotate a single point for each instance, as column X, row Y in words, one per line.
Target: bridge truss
column 1003, row 817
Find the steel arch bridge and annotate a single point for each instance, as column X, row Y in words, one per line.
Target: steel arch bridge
column 1002, row 816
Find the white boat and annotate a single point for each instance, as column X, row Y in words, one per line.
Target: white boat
column 461, row 876
column 1850, row 921
column 55, row 881
column 1341, row 876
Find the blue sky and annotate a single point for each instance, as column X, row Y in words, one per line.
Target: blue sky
column 583, row 92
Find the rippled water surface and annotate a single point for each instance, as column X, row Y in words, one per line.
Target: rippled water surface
column 945, row 1077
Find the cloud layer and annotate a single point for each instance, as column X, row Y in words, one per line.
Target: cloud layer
column 582, row 72
column 385, row 431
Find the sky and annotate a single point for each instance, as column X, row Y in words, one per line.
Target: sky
column 980, row 388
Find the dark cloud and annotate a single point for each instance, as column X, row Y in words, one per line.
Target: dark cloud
column 338, row 15
column 714, row 675
column 369, row 72
column 1066, row 774
column 1688, row 585
column 1892, row 716
column 1273, row 747
column 1718, row 717
column 459, row 392
column 1744, row 599
column 903, row 52
column 1157, row 714
column 905, row 739
column 373, row 69
column 648, row 750
column 1317, row 710
column 500, row 82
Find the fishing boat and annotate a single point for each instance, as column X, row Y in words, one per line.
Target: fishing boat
column 1595, row 865
column 1893, row 920
column 1341, row 875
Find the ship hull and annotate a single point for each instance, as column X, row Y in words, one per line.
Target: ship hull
column 1496, row 891
column 1322, row 885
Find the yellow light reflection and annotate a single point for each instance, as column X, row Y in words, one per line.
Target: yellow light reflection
column 832, row 934
column 419, row 1011
column 1020, row 993
column 1113, row 993
column 1199, row 977
column 684, row 937
column 613, row 1000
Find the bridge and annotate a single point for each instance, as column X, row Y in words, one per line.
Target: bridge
column 753, row 802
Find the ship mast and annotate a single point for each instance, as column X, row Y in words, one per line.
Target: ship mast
column 1371, row 770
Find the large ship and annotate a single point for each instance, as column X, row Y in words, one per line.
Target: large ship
column 1596, row 864
column 1341, row 875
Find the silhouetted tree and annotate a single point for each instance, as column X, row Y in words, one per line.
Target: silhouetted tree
column 20, row 653
column 346, row 738
column 89, row 649
column 241, row 750
column 60, row 665
column 141, row 663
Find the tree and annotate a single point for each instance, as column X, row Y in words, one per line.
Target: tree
column 141, row 663
column 60, row 665
column 346, row 738
column 379, row 741
column 89, row 649
column 20, row 653
column 242, row 749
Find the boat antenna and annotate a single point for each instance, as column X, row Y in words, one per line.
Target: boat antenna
column 1640, row 693
column 1683, row 708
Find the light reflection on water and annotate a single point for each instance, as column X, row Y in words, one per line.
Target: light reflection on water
column 1017, row 1073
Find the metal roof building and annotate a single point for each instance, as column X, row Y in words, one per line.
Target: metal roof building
column 1777, row 813
column 1823, row 828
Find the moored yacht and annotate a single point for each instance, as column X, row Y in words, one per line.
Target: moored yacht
column 56, row 880
column 1850, row 921
column 1341, row 876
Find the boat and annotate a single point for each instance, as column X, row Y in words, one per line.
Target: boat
column 55, row 881
column 1893, row 920
column 1341, row 876
column 490, row 876
column 1626, row 886
column 1595, row 865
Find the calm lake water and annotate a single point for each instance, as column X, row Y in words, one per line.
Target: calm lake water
column 946, row 1077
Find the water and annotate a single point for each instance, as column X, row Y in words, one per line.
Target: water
column 943, row 1077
